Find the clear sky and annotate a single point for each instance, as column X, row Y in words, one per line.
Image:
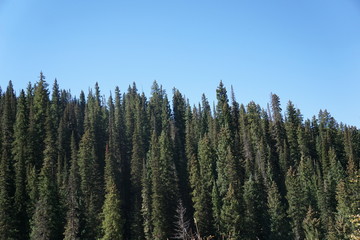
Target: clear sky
column 306, row 51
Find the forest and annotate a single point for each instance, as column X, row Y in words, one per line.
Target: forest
column 135, row 167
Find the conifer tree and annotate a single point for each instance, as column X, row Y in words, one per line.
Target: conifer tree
column 295, row 198
column 231, row 222
column 311, row 225
column 55, row 108
column 136, row 167
column 20, row 153
column 37, row 133
column 155, row 108
column 7, row 190
column 165, row 188
column 256, row 217
column 146, row 204
column 47, row 219
column 279, row 223
column 279, row 133
column 112, row 223
column 75, row 212
column 91, row 186
column 203, row 189
column 292, row 123
column 181, row 163
column 228, row 182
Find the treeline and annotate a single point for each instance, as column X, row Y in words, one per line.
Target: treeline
column 128, row 167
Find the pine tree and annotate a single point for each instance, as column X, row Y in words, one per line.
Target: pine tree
column 47, row 219
column 292, row 123
column 20, row 152
column 229, row 188
column 112, row 223
column 203, row 189
column 90, row 185
column 136, row 165
column 75, row 215
column 256, row 217
column 295, row 198
column 164, row 188
column 279, row 134
column 55, row 107
column 7, row 190
column 311, row 225
column 37, row 133
column 181, row 163
column 146, row 205
column 279, row 223
column 231, row 222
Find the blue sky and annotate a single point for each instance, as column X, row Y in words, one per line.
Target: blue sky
column 306, row 51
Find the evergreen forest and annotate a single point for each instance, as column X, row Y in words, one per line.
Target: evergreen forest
column 130, row 166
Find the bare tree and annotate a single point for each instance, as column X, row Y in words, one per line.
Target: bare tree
column 182, row 224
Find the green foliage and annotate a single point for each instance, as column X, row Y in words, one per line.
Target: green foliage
column 20, row 153
column 297, row 204
column 47, row 218
column 279, row 222
column 203, row 189
column 311, row 225
column 256, row 213
column 75, row 215
column 164, row 186
column 90, row 184
column 76, row 168
column 112, row 223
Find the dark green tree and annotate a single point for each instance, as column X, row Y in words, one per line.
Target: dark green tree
column 180, row 159
column 39, row 103
column 203, row 189
column 279, row 222
column 231, row 221
column 91, row 185
column 7, row 217
column 47, row 219
column 138, row 157
column 256, row 212
column 75, row 212
column 112, row 222
column 311, row 225
column 297, row 205
column 20, row 153
column 164, row 194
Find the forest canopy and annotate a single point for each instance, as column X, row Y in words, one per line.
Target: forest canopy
column 136, row 167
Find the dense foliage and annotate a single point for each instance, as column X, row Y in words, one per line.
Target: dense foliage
column 128, row 167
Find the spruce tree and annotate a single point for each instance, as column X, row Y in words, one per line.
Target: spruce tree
column 91, row 185
column 231, row 221
column 297, row 205
column 256, row 217
column 47, row 219
column 203, row 189
column 75, row 212
column 279, row 134
column 20, row 153
column 311, row 225
column 279, row 222
column 165, row 188
column 37, row 133
column 138, row 157
column 146, row 204
column 181, row 163
column 112, row 223
column 7, row 217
